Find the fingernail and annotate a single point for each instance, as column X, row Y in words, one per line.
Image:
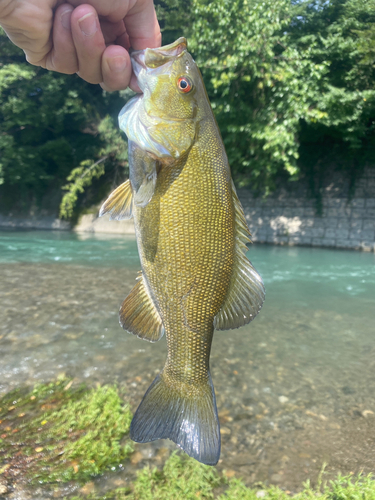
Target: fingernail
column 117, row 64
column 65, row 18
column 88, row 24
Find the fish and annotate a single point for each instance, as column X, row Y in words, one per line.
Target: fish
column 192, row 238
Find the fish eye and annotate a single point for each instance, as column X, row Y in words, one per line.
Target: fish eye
column 184, row 84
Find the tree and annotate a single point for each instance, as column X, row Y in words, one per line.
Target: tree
column 289, row 83
column 51, row 124
column 342, row 135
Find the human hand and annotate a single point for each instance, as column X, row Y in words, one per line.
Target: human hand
column 89, row 37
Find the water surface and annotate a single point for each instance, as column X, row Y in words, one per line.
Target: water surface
column 294, row 388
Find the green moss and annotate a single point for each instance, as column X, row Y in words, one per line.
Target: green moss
column 184, row 478
column 180, row 478
column 58, row 432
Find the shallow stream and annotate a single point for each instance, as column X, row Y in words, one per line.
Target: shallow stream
column 295, row 388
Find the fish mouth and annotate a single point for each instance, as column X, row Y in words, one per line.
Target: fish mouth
column 152, row 59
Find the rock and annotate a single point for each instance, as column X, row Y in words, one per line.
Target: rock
column 88, row 488
column 224, row 416
column 276, row 478
column 312, row 414
column 230, row 473
column 367, row 413
column 283, row 399
column 225, row 431
column 260, row 494
column 162, row 454
column 119, row 483
column 242, row 459
column 243, row 416
column 348, row 390
column 148, row 451
column 90, row 223
column 136, row 458
column 3, row 489
column 334, row 425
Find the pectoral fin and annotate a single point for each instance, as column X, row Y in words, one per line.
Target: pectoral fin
column 246, row 290
column 139, row 316
column 146, row 190
column 119, row 203
column 142, row 174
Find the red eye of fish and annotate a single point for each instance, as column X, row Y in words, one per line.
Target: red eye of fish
column 184, row 84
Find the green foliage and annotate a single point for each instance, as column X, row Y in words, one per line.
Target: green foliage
column 180, row 478
column 343, row 133
column 260, row 87
column 58, row 433
column 291, row 85
column 184, row 478
column 113, row 151
column 51, row 124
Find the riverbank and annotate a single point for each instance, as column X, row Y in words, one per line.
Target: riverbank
column 48, row 222
column 72, row 462
column 342, row 216
column 294, row 389
column 290, row 216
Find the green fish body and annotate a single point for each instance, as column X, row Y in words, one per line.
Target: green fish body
column 191, row 234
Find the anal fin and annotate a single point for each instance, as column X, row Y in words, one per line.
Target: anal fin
column 119, row 203
column 139, row 316
column 246, row 291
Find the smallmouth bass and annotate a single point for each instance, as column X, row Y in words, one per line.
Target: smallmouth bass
column 191, row 234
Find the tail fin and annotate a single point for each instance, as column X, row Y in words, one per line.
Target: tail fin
column 190, row 421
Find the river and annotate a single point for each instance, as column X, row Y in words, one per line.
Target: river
column 295, row 388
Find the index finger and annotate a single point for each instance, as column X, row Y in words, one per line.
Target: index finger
column 140, row 20
column 142, row 26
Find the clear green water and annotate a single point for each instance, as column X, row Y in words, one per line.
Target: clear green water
column 298, row 277
column 295, row 388
column 67, row 248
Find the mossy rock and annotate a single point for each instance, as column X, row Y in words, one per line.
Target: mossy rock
column 183, row 478
column 58, row 432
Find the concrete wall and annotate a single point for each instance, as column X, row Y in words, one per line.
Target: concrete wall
column 90, row 223
column 33, row 222
column 289, row 215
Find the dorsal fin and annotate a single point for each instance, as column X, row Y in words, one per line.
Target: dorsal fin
column 119, row 203
column 246, row 292
column 139, row 316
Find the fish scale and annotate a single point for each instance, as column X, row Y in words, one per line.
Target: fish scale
column 171, row 274
column 191, row 234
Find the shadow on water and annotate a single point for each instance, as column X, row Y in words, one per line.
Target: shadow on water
column 294, row 388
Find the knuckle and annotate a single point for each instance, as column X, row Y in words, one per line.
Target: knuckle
column 89, row 78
